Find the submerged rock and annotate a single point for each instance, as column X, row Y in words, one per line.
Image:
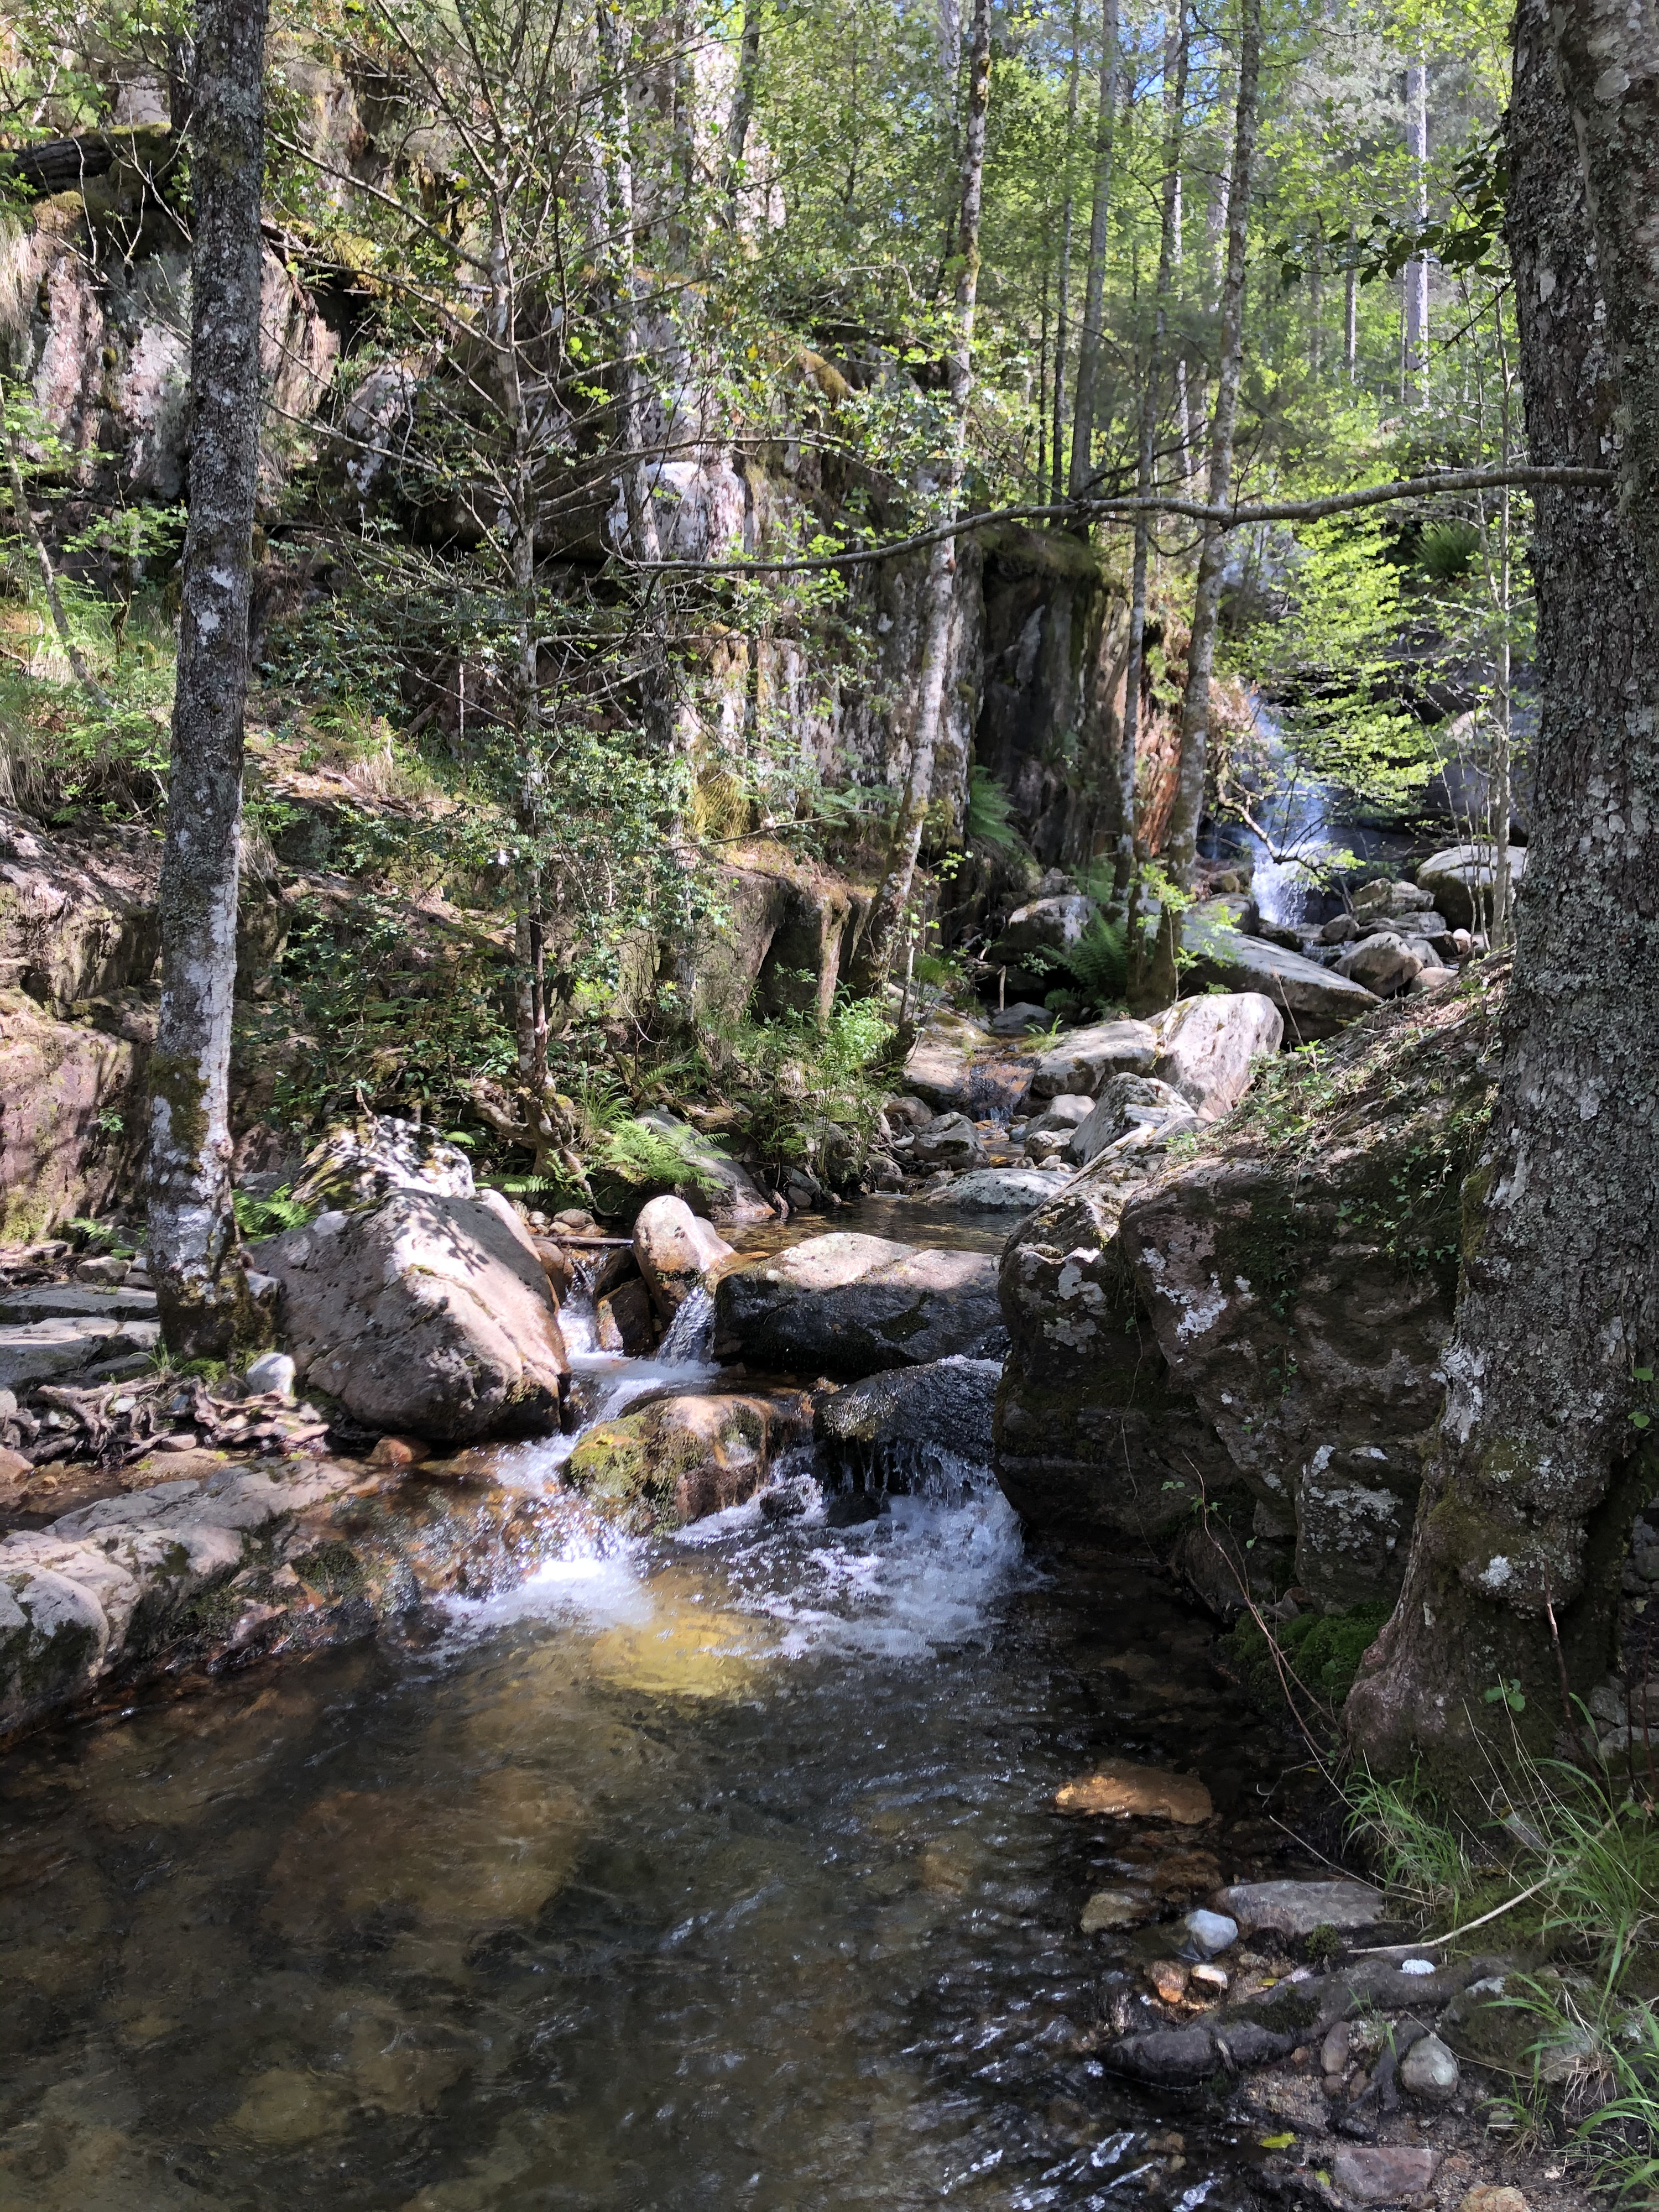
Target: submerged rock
column 847, row 1305
column 1146, row 1793
column 678, row 1459
column 429, row 1314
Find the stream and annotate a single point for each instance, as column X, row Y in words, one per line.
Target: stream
column 719, row 1871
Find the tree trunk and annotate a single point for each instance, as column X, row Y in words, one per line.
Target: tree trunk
column 1609, row 60
column 940, row 590
column 1180, row 845
column 1090, row 337
column 1415, row 275
column 1062, row 322
column 1351, row 307
column 1527, row 1504
column 743, row 108
column 1175, row 103
column 194, row 1256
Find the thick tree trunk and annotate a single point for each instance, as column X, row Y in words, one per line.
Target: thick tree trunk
column 1091, row 338
column 194, row 1256
column 1181, row 844
column 1526, row 1505
column 1174, row 104
column 940, row 590
column 1609, row 61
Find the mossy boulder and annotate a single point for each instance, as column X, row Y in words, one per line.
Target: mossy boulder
column 676, row 1459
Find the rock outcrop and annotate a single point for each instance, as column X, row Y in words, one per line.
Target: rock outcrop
column 1208, row 1047
column 1078, row 1064
column 1266, row 1316
column 427, row 1314
column 895, row 1428
column 1315, row 1001
column 851, row 1305
column 1458, row 881
column 675, row 1251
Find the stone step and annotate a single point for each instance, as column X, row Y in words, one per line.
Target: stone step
column 49, row 1301
column 43, row 1350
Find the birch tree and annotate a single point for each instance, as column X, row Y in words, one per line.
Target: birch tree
column 940, row 590
column 1180, row 848
column 194, row 1258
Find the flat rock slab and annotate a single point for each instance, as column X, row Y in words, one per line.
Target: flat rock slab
column 852, row 1305
column 108, row 1582
column 1146, row 1793
column 998, row 1190
column 1315, row 1001
column 1297, row 1908
column 1383, row 2174
column 49, row 1301
column 958, row 1079
column 42, row 1351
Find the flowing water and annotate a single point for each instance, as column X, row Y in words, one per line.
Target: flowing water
column 715, row 1872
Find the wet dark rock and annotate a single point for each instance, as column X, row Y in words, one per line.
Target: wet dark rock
column 1170, row 2058
column 851, row 1509
column 676, row 1459
column 893, row 1426
column 852, row 1305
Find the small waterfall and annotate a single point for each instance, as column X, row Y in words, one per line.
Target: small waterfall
column 1295, row 811
column 690, row 1335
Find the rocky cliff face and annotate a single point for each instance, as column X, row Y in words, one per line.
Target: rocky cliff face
column 1261, row 1319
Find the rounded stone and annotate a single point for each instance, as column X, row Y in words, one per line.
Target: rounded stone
column 1211, row 1932
column 1429, row 2072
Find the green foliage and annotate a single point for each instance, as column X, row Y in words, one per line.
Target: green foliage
column 1448, row 549
column 1100, row 961
column 270, row 1216
column 989, row 817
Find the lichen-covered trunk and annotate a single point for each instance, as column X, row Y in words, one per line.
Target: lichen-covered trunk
column 893, row 898
column 1181, row 841
column 194, row 1258
column 1525, row 1503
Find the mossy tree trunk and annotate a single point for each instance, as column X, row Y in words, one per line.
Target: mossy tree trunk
column 1526, row 1504
column 194, row 1257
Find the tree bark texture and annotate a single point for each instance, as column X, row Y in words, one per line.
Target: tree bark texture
column 202, row 1289
column 940, row 588
column 1181, row 843
column 1090, row 337
column 1415, row 274
column 1175, row 102
column 1527, row 1504
column 1609, row 59
column 1063, row 320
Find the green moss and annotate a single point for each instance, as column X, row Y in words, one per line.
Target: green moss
column 629, row 1475
column 333, row 1569
column 1321, row 1650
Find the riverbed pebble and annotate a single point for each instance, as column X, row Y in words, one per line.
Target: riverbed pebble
column 1429, row 2072
column 1142, row 1792
column 1211, row 1932
column 1383, row 2174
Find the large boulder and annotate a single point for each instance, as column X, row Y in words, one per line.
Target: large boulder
column 1131, row 1102
column 427, row 1314
column 1270, row 1314
column 846, row 1304
column 1048, row 925
column 675, row 1251
column 678, row 1459
column 1208, row 1047
column 1091, row 1433
column 949, row 1140
column 1383, row 962
column 1314, row 1001
column 895, row 1430
column 357, row 1163
column 1459, row 881
column 1080, row 1062
column 995, row 1190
